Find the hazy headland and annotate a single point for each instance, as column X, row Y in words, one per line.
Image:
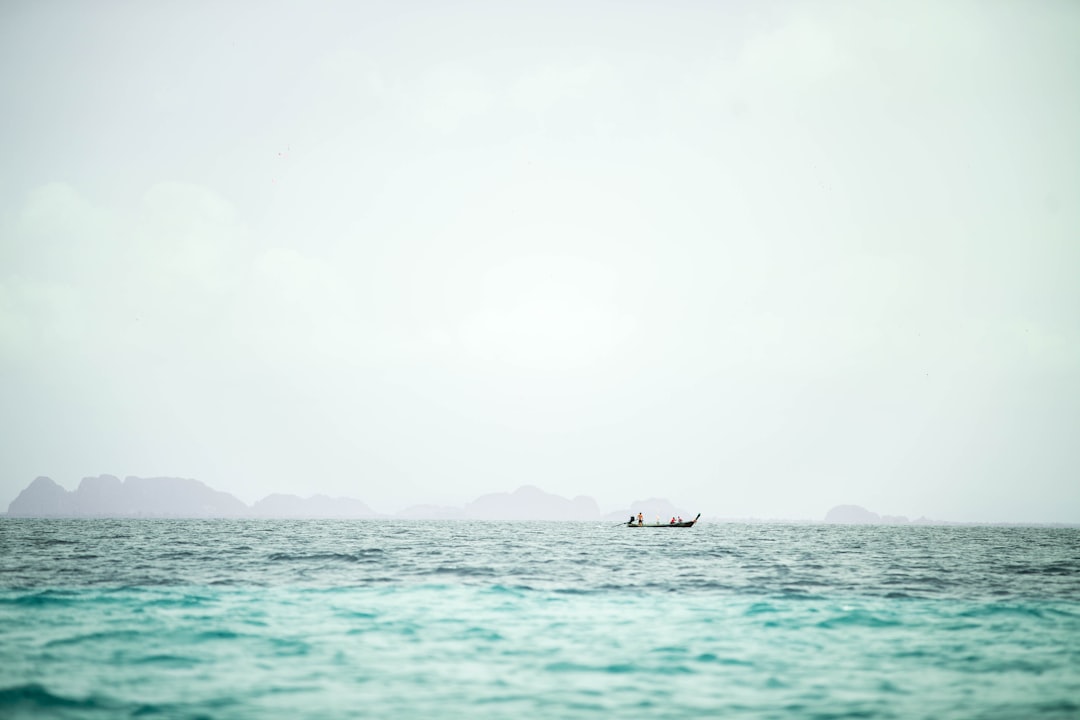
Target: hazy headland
column 173, row 497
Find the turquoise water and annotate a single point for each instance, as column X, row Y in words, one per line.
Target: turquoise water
column 313, row 619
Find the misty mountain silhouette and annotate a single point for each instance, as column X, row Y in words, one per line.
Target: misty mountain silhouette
column 43, row 498
column 165, row 497
column 531, row 503
column 107, row 495
column 858, row 515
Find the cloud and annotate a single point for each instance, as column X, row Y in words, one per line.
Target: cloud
column 53, row 267
column 349, row 73
column 796, row 54
column 188, row 237
column 549, row 86
column 296, row 308
column 56, row 210
column 40, row 318
column 546, row 314
column 88, row 278
column 59, row 235
column 450, row 96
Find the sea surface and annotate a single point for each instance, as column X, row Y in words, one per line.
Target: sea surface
column 381, row 619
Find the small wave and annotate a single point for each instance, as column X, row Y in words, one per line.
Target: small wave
column 40, row 599
column 182, row 601
column 170, row 661
column 713, row 658
column 615, row 668
column 921, row 582
column 618, row 668
column 219, row 635
column 999, row 610
column 154, row 710
column 33, row 697
column 309, row 557
column 464, row 570
column 617, row 587
column 858, row 618
column 291, row 557
column 1059, row 706
column 760, row 608
column 123, row 635
column 1036, row 569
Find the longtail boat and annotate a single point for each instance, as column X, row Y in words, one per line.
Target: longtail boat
column 685, row 523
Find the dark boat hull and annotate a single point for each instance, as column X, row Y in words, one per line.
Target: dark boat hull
column 688, row 523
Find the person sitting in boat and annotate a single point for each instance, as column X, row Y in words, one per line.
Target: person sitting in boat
column 680, row 520
column 672, row 520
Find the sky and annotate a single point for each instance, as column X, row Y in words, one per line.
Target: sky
column 758, row 258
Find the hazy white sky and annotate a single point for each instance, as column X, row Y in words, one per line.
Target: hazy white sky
column 758, row 258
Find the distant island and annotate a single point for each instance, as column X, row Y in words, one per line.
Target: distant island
column 170, row 497
column 107, row 496
column 858, row 515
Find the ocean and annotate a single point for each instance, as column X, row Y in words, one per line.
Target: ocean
column 380, row 619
